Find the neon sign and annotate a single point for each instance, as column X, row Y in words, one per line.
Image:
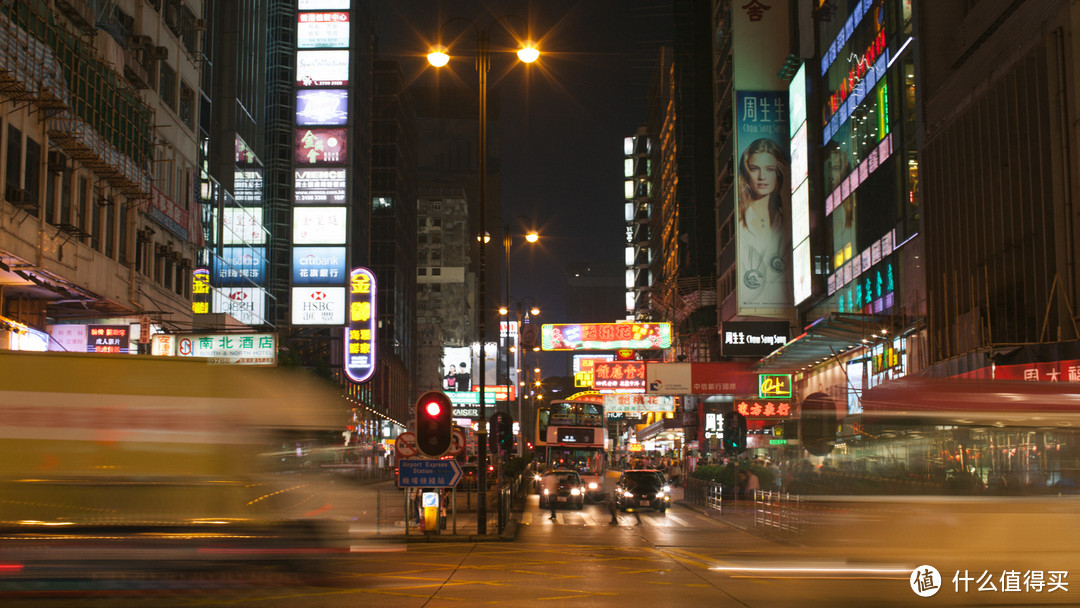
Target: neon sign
column 360, row 331
column 605, row 336
column 774, row 386
column 759, row 408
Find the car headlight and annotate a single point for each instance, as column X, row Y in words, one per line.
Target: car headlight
column 667, row 489
column 628, row 494
column 536, row 477
column 592, row 485
column 575, row 491
column 660, row 495
column 546, row 492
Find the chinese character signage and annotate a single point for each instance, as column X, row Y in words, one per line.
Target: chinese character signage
column 319, row 186
column 245, row 304
column 619, row 376
column 605, row 336
column 360, row 329
column 718, row 378
column 638, row 403
column 752, row 339
column 774, row 386
column 318, row 265
column 200, row 291
column 319, row 225
column 240, row 266
column 753, row 407
column 322, row 68
column 318, row 305
column 232, row 349
column 322, row 30
column 107, row 339
column 320, row 146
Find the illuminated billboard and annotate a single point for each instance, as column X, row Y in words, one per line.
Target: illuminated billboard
column 322, row 30
column 314, row 186
column 322, row 106
column 763, row 193
column 605, row 336
column 319, row 225
column 322, row 68
column 240, row 266
column 323, row 5
column 200, row 291
column 360, row 330
column 319, row 146
column 318, row 305
column 318, row 265
column 242, row 226
column 619, row 376
column 245, row 304
column 113, row 339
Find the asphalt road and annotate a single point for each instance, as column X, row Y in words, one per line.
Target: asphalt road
column 682, row 558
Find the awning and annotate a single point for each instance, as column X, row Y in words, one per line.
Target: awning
column 660, row 426
column 831, row 335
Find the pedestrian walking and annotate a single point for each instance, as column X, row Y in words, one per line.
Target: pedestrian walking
column 613, row 508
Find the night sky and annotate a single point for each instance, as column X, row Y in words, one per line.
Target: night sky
column 562, row 119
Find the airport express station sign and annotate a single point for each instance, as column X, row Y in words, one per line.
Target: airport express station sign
column 422, row 473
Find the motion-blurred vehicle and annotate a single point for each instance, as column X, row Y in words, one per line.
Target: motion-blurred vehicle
column 642, row 489
column 150, row 472
column 470, row 476
column 562, row 488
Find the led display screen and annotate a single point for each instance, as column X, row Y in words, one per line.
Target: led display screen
column 314, row 186
column 318, row 265
column 323, row 5
column 320, row 146
column 322, row 30
column 319, row 225
column 322, row 106
column 318, row 305
column 605, row 336
column 322, row 68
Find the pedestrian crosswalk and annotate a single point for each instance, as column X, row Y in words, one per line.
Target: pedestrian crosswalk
column 684, row 519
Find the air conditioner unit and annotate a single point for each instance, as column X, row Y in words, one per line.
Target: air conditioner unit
column 199, row 25
column 20, row 197
column 137, row 42
column 159, row 52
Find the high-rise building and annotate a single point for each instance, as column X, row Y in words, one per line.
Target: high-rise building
column 99, row 144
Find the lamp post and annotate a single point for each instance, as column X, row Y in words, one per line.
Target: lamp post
column 530, row 236
column 438, row 57
column 534, row 311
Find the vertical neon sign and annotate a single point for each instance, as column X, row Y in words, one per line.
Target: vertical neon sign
column 360, row 328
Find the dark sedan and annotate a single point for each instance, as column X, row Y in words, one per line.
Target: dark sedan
column 642, row 489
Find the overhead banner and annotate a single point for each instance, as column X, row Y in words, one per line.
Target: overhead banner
column 723, row 378
column 637, row 403
column 360, row 331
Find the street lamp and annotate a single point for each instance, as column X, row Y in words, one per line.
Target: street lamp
column 439, row 57
column 530, row 236
column 533, row 311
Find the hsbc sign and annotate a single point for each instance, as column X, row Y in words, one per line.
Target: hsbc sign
column 318, row 305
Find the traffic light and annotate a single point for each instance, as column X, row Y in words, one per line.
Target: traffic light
column 734, row 433
column 501, row 435
column 434, row 423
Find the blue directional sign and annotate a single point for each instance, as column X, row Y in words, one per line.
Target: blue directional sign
column 421, row 473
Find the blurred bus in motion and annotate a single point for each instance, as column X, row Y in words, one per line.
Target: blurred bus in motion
column 146, row 470
column 570, row 434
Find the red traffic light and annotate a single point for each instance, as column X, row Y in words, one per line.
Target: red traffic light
column 433, row 408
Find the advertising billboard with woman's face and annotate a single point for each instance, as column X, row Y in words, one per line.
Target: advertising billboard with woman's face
column 763, row 191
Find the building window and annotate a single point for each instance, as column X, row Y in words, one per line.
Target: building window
column 421, row 272
column 436, row 272
column 167, row 85
column 187, row 105
column 33, row 168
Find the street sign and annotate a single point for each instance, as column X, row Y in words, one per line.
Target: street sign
column 457, row 442
column 405, row 446
column 422, row 473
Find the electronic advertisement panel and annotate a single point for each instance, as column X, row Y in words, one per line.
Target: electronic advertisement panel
column 322, row 30
column 322, row 68
column 605, row 336
column 319, row 225
column 318, row 265
column 318, row 305
column 323, row 5
column 322, row 107
column 318, row 186
column 457, row 369
column 319, row 147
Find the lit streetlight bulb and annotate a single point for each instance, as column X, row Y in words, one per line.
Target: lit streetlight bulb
column 438, row 57
column 528, row 53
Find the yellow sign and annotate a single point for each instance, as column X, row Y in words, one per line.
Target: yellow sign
column 776, row 386
column 583, row 380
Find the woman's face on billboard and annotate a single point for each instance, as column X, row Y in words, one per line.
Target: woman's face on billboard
column 764, row 174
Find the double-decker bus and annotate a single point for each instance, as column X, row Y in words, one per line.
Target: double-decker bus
column 570, row 434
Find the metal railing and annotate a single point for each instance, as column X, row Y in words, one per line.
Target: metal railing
column 708, row 494
column 779, row 512
column 397, row 511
